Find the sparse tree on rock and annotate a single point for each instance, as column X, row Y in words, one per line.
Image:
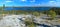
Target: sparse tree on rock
column 52, row 14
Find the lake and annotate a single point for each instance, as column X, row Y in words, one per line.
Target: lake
column 27, row 8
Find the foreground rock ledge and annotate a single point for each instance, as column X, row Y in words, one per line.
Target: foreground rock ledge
column 13, row 21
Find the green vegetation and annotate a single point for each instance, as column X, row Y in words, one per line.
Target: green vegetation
column 52, row 14
column 57, row 10
column 36, row 13
column 29, row 22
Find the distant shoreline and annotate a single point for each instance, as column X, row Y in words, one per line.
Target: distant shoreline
column 29, row 6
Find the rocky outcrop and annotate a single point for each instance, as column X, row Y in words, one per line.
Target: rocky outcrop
column 19, row 21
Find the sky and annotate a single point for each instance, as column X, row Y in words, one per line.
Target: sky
column 50, row 3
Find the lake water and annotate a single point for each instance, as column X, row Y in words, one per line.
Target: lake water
column 28, row 8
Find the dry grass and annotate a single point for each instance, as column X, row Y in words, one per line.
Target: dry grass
column 2, row 15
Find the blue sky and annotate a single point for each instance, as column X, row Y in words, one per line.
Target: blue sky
column 30, row 3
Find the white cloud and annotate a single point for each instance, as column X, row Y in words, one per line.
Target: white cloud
column 8, row 1
column 51, row 3
column 23, row 0
column 5, row 1
column 32, row 1
column 54, row 3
